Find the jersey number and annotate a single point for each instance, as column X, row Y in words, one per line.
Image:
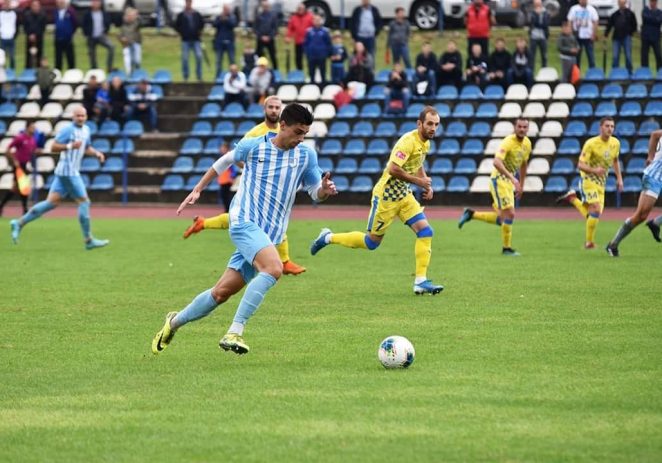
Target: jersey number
column 379, row 225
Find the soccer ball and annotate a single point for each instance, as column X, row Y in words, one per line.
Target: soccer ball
column 396, row 352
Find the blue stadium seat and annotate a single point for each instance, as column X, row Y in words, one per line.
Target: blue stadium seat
column 162, row 77
column 362, row 129
column 101, row 144
column 568, row 147
column 255, row 111
column 441, row 166
column 378, row 147
column 347, row 166
column 109, row 129
column 16, row 91
column 361, row 184
column 342, row 183
column 338, row 129
column 438, row 184
column 617, row 74
column 192, row 181
column 632, row 184
column 480, row 130
column 636, row 91
column 376, row 92
column 630, row 109
column 210, row 110
column 90, row 164
column 137, row 75
column 656, row 91
column 201, row 129
column 642, row 74
column 563, row 166
column 588, row 92
column 647, row 127
column 447, row 93
column 610, row 186
column 191, row 147
column 473, row 147
column 348, row 111
column 172, row 182
column 594, row 75
column 102, row 182
column 295, row 76
column 575, row 129
column 471, row 92
column 331, row 148
column 278, row 78
column 640, row 147
column 625, row 128
column 325, row 164
column 625, row 147
column 487, row 110
column 385, row 129
column 382, row 76
column 458, row 184
column 123, row 145
column 204, row 164
column 606, row 108
column 581, row 110
column 117, row 73
column 653, row 109
column 595, row 128
column 90, row 125
column 456, row 129
column 463, row 111
column 243, row 128
column 370, row 166
column 86, row 180
column 612, row 91
column 114, row 164
column 443, row 109
column 449, row 147
column 465, row 166
column 233, row 110
column 414, row 110
column 636, row 166
column 556, row 184
column 575, row 183
column 354, row 148
column 27, row 76
column 493, row 92
column 182, row 165
column 213, row 146
column 217, row 93
column 407, row 126
column 371, row 111
column 11, row 75
column 133, row 129
column 224, row 129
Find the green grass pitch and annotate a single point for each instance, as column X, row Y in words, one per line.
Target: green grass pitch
column 554, row 356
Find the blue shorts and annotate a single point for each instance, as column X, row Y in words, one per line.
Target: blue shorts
column 249, row 240
column 651, row 186
column 68, row 186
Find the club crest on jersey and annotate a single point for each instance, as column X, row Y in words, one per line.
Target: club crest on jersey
column 607, row 155
column 401, row 155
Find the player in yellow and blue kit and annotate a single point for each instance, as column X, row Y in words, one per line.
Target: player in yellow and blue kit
column 505, row 187
column 598, row 154
column 272, row 108
column 392, row 197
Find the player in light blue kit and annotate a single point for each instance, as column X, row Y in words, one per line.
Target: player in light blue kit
column 274, row 168
column 72, row 142
column 651, row 189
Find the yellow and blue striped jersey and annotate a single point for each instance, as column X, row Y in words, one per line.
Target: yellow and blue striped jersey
column 599, row 153
column 409, row 153
column 513, row 152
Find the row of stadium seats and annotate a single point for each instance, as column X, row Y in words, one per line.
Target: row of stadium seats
column 78, row 76
column 108, row 128
column 60, row 93
column 101, row 182
column 46, row 164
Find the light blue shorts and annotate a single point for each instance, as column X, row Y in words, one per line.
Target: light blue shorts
column 651, row 186
column 69, row 186
column 249, row 240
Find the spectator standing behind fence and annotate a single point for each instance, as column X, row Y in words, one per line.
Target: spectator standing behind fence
column 143, row 104
column 20, row 151
column 399, row 32
column 478, row 20
column 65, row 28
column 8, row 32
column 338, row 58
column 119, row 100
column 476, row 66
column 366, row 24
column 266, row 31
column 234, row 86
column 299, row 23
column 520, row 69
column 651, row 19
column 498, row 64
column 260, row 80
column 449, row 71
column 96, row 24
column 584, row 19
column 425, row 79
column 318, row 47
column 538, row 32
column 624, row 24
column 568, row 49
column 34, row 25
column 224, row 38
column 131, row 40
column 189, row 26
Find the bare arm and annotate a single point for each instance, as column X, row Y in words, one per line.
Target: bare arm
column 501, row 168
column 652, row 145
column 91, row 151
column 619, row 177
column 398, row 172
column 522, row 177
column 194, row 195
column 427, row 194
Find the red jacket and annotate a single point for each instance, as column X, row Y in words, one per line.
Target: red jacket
column 298, row 25
column 478, row 22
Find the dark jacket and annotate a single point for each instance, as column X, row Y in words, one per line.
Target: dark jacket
column 65, row 27
column 499, row 61
column 398, row 84
column 88, row 25
column 34, row 24
column 224, row 29
column 651, row 20
column 356, row 16
column 520, row 61
column 539, row 21
column 266, row 23
column 455, row 58
column 430, row 61
column 317, row 43
column 189, row 31
column 623, row 22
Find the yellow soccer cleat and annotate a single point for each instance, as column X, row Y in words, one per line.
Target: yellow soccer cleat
column 235, row 343
column 163, row 337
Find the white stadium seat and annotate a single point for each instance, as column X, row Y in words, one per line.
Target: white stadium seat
column 49, row 145
column 510, row 111
column 37, row 181
column 45, row 164
column 533, row 129
column 60, row 125
column 547, row 75
column 329, row 92
column 534, row 111
column 99, row 73
column 44, row 126
column 62, row 92
column 78, row 93
column 309, row 143
column 538, row 166
column 533, row 184
column 72, row 76
column 492, row 146
column 309, row 92
column 6, row 181
column 324, row 111
column 558, row 110
column 540, row 92
column 503, row 129
column 68, row 112
column 4, row 144
column 15, row 128
column 544, row 147
column 51, row 110
column 551, row 129
column 564, row 92
column 287, row 92
column 34, row 93
column 4, row 164
column 480, row 184
column 358, row 89
column 486, row 166
column 517, row 92
column 29, row 110
column 318, row 129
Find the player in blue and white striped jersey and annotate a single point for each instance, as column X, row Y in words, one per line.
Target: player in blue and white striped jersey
column 72, row 142
column 274, row 168
column 651, row 190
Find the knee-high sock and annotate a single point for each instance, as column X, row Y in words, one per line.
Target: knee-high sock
column 507, row 233
column 489, row 217
column 84, row 219
column 579, row 205
column 201, row 306
column 253, row 297
column 221, row 222
column 591, row 225
column 37, row 211
column 658, row 220
column 622, row 232
column 284, row 250
column 350, row 240
column 423, row 253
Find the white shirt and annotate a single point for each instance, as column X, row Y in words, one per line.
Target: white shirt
column 583, row 20
column 236, row 85
column 7, row 24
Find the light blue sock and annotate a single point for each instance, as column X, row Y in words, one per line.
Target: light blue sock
column 253, row 297
column 37, row 211
column 84, row 218
column 658, row 220
column 201, row 306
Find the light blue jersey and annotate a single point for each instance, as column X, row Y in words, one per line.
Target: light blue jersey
column 654, row 169
column 69, row 163
column 269, row 184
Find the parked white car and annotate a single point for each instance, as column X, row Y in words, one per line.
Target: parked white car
column 209, row 9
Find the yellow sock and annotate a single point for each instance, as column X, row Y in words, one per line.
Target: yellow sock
column 579, row 205
column 423, row 252
column 591, row 225
column 489, row 217
column 220, row 222
column 349, row 240
column 507, row 233
column 284, row 250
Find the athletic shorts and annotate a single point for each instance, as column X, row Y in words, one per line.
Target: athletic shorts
column 651, row 187
column 69, row 187
column 249, row 240
column 503, row 193
column 382, row 212
column 592, row 192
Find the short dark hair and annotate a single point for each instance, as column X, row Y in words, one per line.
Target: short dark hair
column 522, row 118
column 425, row 111
column 605, row 119
column 399, row 9
column 294, row 113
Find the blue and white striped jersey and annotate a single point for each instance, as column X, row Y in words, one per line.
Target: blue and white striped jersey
column 69, row 163
column 269, row 183
column 654, row 169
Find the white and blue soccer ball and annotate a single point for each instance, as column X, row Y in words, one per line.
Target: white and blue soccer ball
column 396, row 352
